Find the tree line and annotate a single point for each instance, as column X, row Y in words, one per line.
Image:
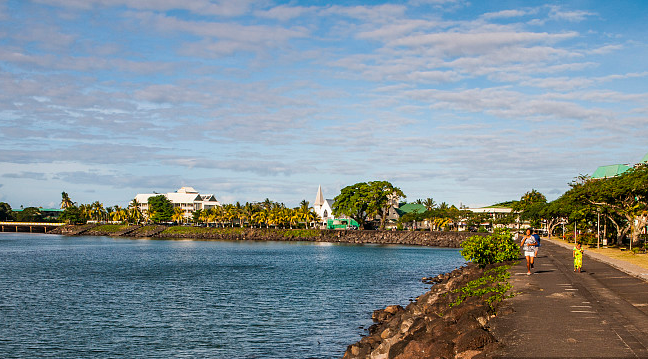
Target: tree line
column 161, row 210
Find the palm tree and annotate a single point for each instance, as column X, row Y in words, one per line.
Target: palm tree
column 204, row 216
column 178, row 215
column 261, row 217
column 134, row 212
column 97, row 211
column 304, row 212
column 66, row 202
column 429, row 203
column 267, row 204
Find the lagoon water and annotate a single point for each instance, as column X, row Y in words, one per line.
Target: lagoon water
column 100, row 297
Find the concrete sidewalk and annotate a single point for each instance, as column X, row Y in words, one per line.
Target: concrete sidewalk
column 557, row 313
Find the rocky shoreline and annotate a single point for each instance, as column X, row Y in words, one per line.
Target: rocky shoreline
column 449, row 321
column 422, row 238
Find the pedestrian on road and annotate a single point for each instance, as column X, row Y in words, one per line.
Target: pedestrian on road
column 528, row 246
column 537, row 246
column 578, row 257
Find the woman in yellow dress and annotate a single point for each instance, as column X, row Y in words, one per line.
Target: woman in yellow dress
column 578, row 258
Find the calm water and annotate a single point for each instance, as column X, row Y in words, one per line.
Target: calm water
column 81, row 297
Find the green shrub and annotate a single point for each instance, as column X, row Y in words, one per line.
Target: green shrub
column 495, row 248
column 587, row 238
column 493, row 285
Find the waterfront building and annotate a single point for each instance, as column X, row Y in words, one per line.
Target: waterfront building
column 185, row 198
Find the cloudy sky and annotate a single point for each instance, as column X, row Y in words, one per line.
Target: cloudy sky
column 468, row 102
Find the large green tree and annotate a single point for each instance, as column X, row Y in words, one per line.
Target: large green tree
column 72, row 215
column 382, row 196
column 161, row 208
column 5, row 212
column 530, row 207
column 366, row 200
column 29, row 214
column 353, row 202
column 624, row 196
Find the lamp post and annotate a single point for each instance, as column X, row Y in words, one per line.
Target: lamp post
column 598, row 228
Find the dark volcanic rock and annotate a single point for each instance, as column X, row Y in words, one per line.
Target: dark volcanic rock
column 430, row 327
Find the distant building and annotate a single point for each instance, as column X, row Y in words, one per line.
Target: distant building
column 186, row 198
column 323, row 207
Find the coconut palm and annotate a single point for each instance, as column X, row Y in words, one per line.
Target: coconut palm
column 66, row 202
column 97, row 211
column 204, row 216
column 260, row 217
column 429, row 203
column 134, row 213
column 178, row 215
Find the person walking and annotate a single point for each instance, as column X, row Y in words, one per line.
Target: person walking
column 578, row 258
column 536, row 235
column 528, row 246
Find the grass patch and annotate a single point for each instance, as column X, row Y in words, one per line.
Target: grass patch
column 640, row 260
column 181, row 230
column 110, row 228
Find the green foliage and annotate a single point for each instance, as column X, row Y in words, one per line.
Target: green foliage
column 363, row 201
column 161, row 208
column 495, row 248
column 493, row 284
column 6, row 214
column 623, row 200
column 110, row 228
column 587, row 238
column 72, row 215
column 29, row 214
column 179, row 230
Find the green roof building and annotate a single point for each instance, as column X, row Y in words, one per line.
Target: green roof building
column 610, row 171
column 410, row 208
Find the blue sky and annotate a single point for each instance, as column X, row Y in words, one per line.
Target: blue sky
column 470, row 103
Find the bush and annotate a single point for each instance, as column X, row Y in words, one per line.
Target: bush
column 495, row 248
column 587, row 238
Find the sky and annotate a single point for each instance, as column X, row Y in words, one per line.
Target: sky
column 467, row 102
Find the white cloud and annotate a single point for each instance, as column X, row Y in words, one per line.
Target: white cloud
column 558, row 13
column 505, row 14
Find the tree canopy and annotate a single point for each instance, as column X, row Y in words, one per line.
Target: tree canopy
column 29, row 214
column 5, row 212
column 160, row 209
column 367, row 200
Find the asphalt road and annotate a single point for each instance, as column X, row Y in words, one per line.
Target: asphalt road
column 601, row 312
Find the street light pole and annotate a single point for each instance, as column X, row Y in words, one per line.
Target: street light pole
column 598, row 229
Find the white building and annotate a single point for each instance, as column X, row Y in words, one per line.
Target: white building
column 186, row 198
column 324, row 208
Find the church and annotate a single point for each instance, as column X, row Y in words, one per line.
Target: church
column 323, row 207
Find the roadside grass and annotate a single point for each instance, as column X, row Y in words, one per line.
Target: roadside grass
column 639, row 259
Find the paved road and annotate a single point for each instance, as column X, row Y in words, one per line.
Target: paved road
column 557, row 313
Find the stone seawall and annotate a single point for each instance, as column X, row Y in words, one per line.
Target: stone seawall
column 420, row 238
